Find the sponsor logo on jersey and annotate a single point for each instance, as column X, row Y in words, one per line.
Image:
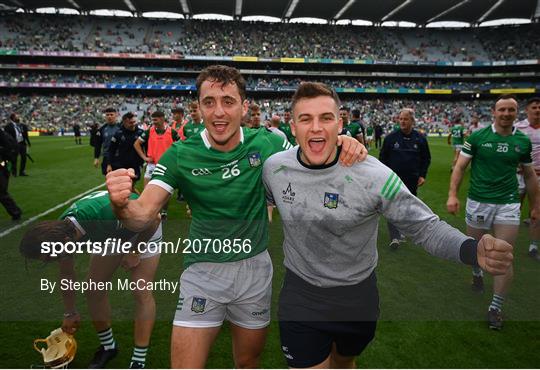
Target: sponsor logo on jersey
column 198, row 304
column 288, row 195
column 517, row 149
column 254, row 159
column 201, row 172
column 331, row 200
column 487, row 145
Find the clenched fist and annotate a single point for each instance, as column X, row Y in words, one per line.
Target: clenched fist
column 119, row 185
column 494, row 255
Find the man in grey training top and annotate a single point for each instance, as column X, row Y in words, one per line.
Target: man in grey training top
column 329, row 304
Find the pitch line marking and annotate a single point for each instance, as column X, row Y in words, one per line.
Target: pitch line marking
column 50, row 210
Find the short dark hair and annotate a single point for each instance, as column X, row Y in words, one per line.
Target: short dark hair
column 505, row 97
column 110, row 110
column 345, row 108
column 224, row 75
column 534, row 99
column 308, row 90
column 45, row 231
column 355, row 113
column 178, row 110
column 158, row 114
column 128, row 115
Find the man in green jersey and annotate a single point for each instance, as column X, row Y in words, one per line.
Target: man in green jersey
column 493, row 199
column 195, row 124
column 228, row 272
column 285, row 126
column 90, row 224
column 456, row 139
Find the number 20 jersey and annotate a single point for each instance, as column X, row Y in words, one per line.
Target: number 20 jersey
column 495, row 159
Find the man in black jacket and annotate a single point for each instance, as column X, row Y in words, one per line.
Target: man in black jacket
column 122, row 154
column 103, row 139
column 406, row 152
column 8, row 149
column 18, row 131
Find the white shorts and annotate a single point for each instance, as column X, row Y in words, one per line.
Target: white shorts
column 457, row 147
column 485, row 215
column 521, row 183
column 370, row 137
column 239, row 292
column 150, row 167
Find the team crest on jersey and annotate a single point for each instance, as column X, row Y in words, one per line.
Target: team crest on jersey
column 254, row 159
column 198, row 304
column 331, row 200
column 396, row 145
column 288, row 195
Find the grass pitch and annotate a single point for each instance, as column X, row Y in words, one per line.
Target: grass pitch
column 430, row 318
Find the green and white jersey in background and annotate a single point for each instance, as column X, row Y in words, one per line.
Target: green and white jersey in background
column 224, row 191
column 191, row 129
column 94, row 217
column 495, row 159
column 286, row 128
column 457, row 134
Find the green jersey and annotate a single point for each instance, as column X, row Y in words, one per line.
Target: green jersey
column 354, row 129
column 495, row 159
column 146, row 134
column 94, row 217
column 286, row 128
column 457, row 134
column 191, row 129
column 225, row 193
column 369, row 130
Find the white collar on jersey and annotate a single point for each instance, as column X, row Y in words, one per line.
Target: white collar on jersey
column 514, row 128
column 204, row 136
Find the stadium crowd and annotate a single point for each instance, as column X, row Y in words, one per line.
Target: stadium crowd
column 260, row 83
column 56, row 113
column 223, row 38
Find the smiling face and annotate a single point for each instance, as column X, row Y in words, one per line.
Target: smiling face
column 505, row 113
column 316, row 125
column 222, row 110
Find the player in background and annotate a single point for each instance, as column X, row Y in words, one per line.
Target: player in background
column 285, row 126
column 329, row 302
column 179, row 121
column 456, row 138
column 369, row 136
column 103, row 139
column 474, row 126
column 91, row 218
column 530, row 126
column 158, row 138
column 493, row 200
column 220, row 175
column 254, row 116
column 195, row 124
column 77, row 133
